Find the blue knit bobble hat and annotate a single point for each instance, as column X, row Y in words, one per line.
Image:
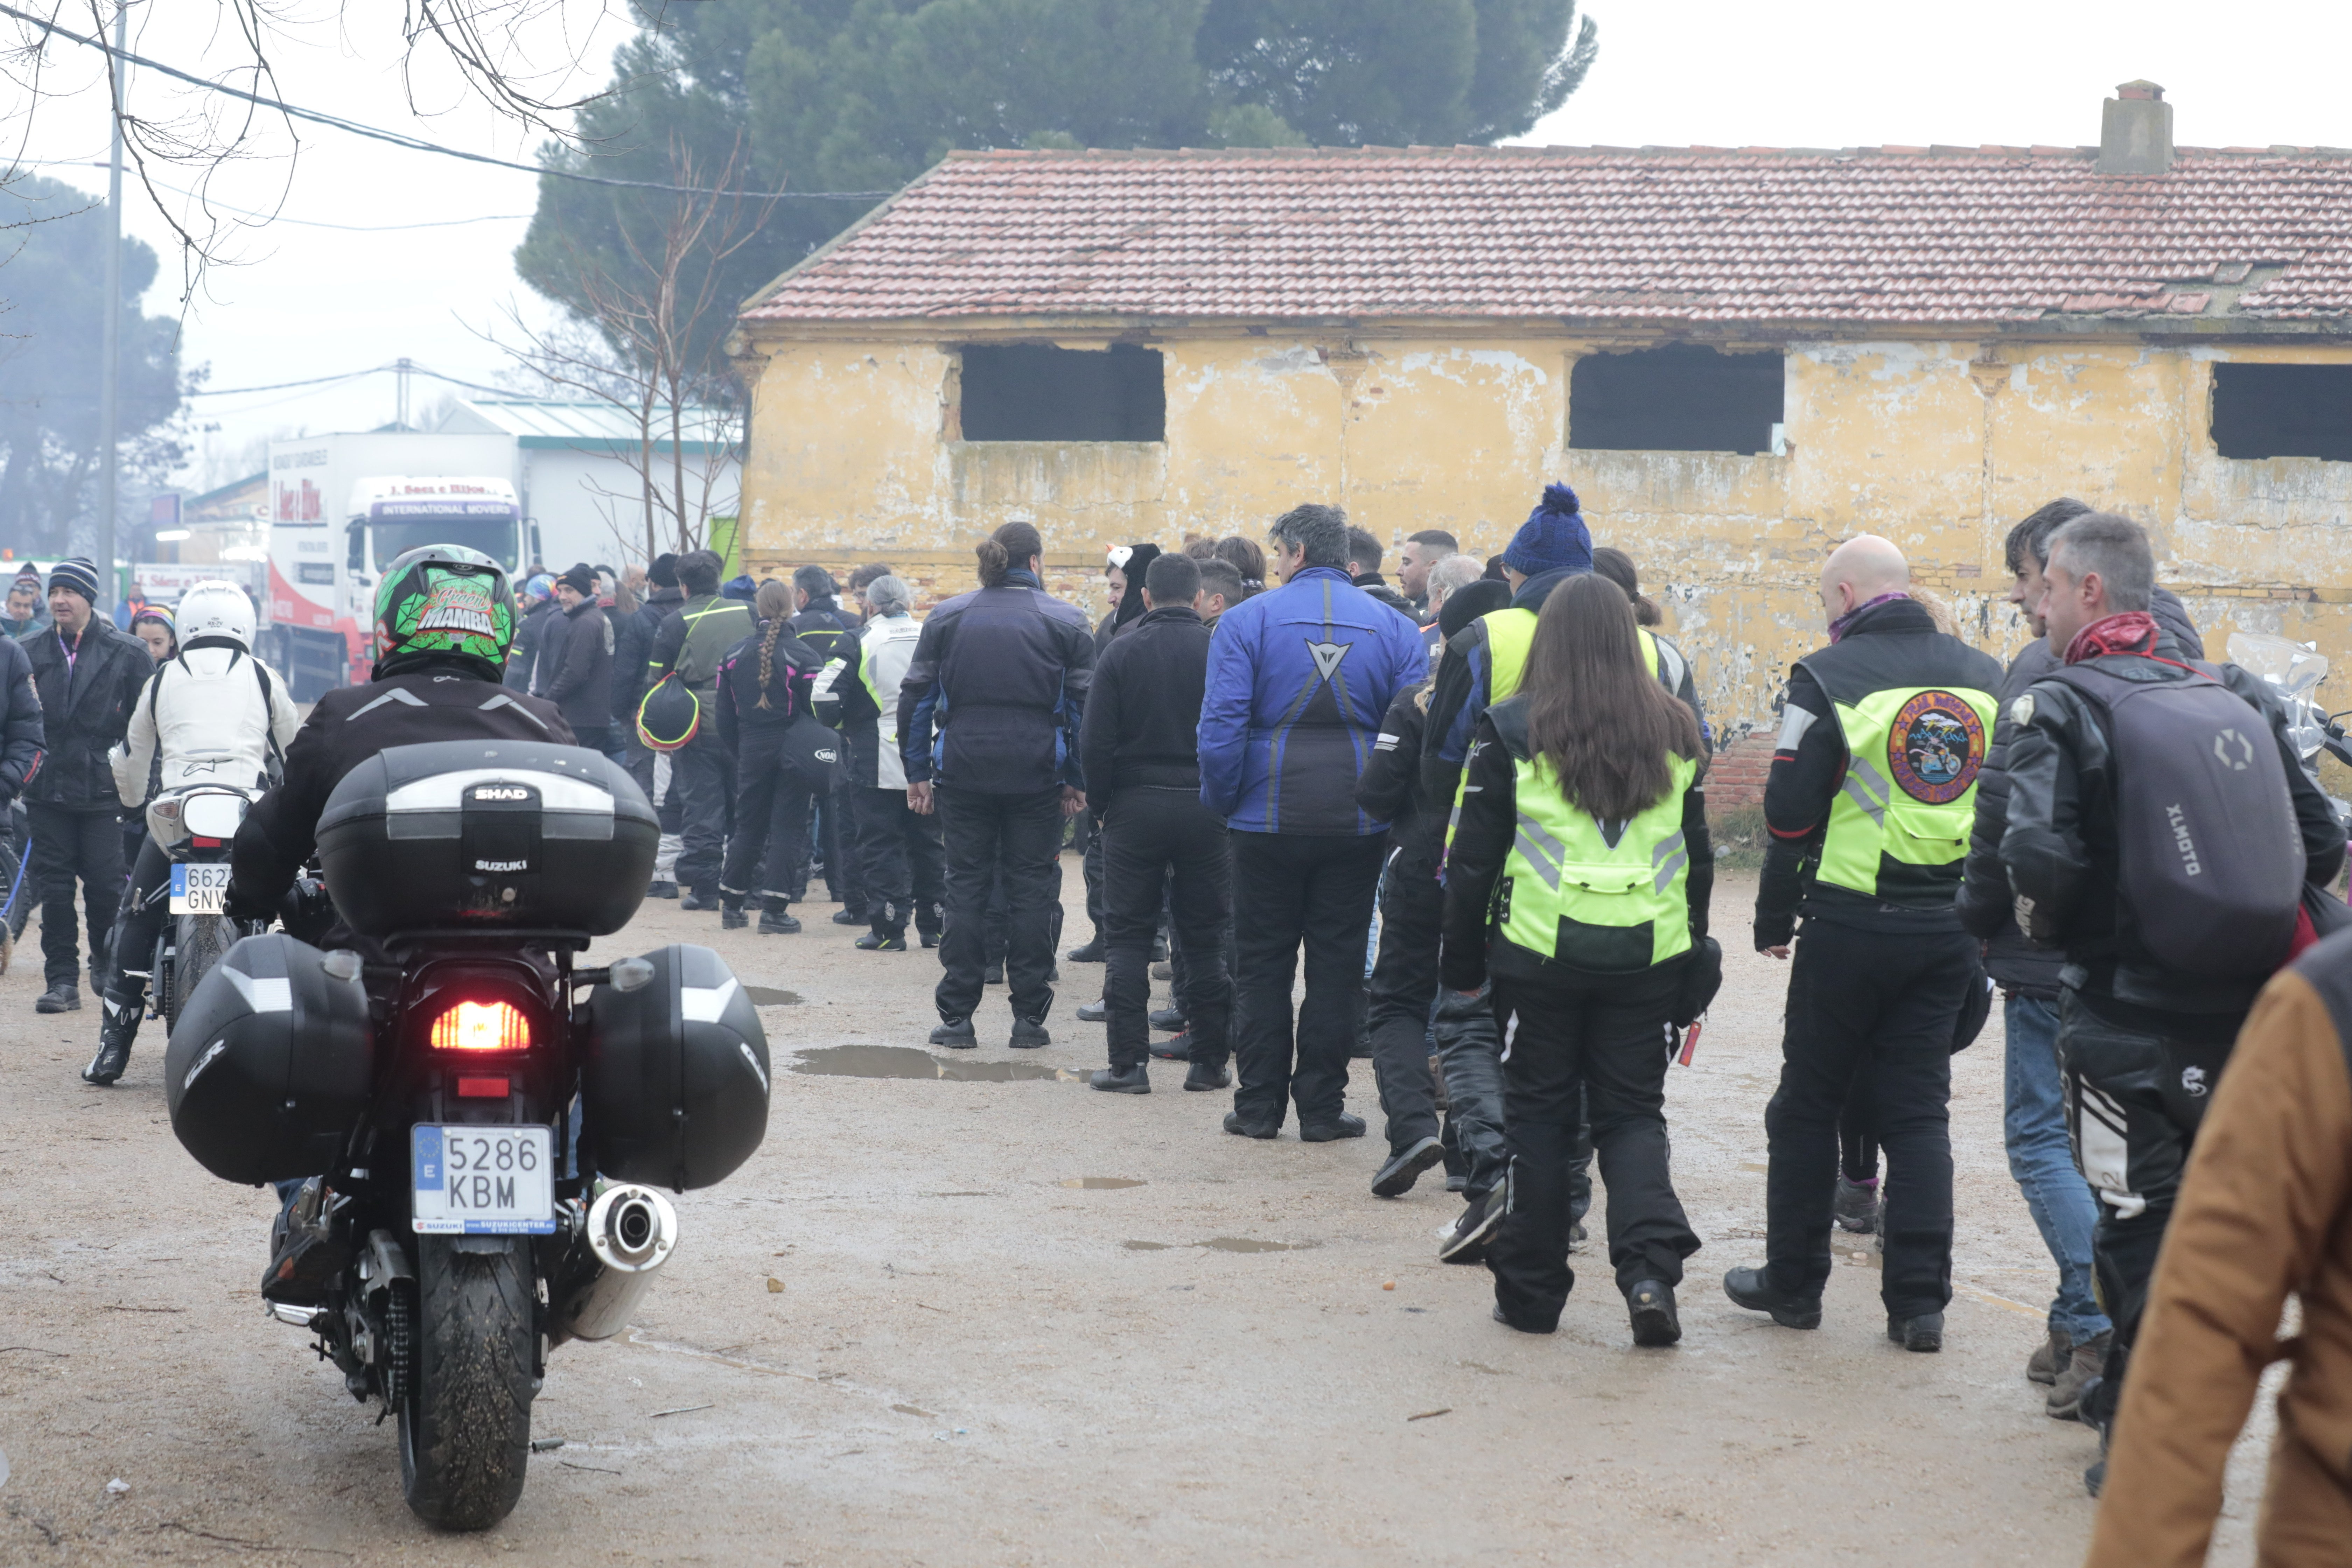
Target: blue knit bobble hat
column 1553, row 538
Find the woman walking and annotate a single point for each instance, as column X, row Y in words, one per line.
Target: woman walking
column 1577, row 879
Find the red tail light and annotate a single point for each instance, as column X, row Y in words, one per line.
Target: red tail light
column 481, row 1026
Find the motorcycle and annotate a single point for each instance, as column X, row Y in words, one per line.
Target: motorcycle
column 2295, row 669
column 472, row 1123
column 194, row 826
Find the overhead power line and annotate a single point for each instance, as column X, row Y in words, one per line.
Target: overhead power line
column 417, row 144
column 280, row 218
column 412, row 367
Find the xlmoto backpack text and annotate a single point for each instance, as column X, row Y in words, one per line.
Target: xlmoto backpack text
column 2210, row 859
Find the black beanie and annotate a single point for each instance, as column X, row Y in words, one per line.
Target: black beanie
column 663, row 573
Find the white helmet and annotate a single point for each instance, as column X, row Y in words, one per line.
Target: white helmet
column 215, row 609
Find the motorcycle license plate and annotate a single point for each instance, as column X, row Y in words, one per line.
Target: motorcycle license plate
column 199, row 889
column 483, row 1181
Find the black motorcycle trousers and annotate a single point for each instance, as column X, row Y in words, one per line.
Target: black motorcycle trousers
column 1020, row 837
column 901, row 858
column 1295, row 890
column 771, row 814
column 70, row 844
column 1885, row 1002
column 1404, row 984
column 2133, row 1103
column 146, row 907
column 845, row 872
column 1156, row 839
column 1573, row 1046
column 699, row 778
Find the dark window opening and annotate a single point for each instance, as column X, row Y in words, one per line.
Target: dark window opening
column 2283, row 410
column 1679, row 398
column 1034, row 392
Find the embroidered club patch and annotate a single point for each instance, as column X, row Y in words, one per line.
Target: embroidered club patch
column 1934, row 747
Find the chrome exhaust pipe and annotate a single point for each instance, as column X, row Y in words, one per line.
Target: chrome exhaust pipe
column 629, row 1234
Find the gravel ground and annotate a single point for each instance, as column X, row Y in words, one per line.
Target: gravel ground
column 912, row 1331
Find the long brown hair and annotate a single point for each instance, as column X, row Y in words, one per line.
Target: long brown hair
column 773, row 605
column 1597, row 715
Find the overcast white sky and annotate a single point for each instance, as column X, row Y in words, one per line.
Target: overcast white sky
column 309, row 302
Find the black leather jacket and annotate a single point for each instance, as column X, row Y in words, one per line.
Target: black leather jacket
column 433, row 701
column 2059, row 851
column 21, row 739
column 1986, row 907
column 86, row 704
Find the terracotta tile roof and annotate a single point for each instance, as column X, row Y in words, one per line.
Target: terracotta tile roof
column 1881, row 235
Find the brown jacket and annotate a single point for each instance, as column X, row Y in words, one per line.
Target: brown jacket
column 2265, row 1208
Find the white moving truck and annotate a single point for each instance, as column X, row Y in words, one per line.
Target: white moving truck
column 323, row 573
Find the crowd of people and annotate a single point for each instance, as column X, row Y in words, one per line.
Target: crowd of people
column 1473, row 804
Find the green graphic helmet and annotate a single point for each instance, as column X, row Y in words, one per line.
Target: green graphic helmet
column 447, row 600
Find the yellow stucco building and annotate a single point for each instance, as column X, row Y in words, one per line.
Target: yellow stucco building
column 1737, row 358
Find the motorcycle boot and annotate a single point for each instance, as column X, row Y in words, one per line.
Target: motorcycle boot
column 123, row 1002
column 775, row 919
column 304, row 1255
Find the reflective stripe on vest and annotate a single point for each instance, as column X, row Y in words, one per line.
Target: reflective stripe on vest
column 1511, row 632
column 1910, row 789
column 1570, row 895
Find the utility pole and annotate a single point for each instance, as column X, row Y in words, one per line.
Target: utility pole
column 402, row 366
column 111, row 352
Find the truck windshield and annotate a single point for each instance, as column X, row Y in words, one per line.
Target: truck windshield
column 495, row 537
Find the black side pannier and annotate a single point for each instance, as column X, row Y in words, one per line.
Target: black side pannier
column 674, row 1092
column 466, row 834
column 270, row 1066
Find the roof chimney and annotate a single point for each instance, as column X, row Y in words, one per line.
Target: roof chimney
column 2135, row 130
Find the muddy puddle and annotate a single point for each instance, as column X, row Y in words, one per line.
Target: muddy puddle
column 769, row 997
column 910, row 1061
column 1222, row 1244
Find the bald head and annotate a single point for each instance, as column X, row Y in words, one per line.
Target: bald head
column 1861, row 569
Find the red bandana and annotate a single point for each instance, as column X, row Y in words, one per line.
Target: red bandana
column 2133, row 631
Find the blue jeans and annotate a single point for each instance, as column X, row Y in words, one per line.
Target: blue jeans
column 2043, row 1163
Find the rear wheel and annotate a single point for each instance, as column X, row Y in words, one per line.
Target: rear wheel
column 16, row 884
column 203, row 939
column 464, row 1414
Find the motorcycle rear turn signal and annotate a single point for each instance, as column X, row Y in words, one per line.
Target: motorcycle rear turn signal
column 481, row 1026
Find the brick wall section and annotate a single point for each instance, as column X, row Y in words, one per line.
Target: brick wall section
column 1736, row 775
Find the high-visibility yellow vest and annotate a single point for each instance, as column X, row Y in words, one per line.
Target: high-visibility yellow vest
column 1916, row 712
column 1610, row 898
column 1511, row 632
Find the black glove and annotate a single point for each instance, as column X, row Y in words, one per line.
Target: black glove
column 240, row 905
column 1775, row 931
column 1702, row 977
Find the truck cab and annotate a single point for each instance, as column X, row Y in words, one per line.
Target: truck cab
column 323, row 598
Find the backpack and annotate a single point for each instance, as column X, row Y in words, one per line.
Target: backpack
column 2211, row 861
column 670, row 715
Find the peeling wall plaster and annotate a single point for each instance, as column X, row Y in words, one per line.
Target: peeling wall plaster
column 1940, row 445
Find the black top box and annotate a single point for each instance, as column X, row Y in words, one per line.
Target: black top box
column 470, row 834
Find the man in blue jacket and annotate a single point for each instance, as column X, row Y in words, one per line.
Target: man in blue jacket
column 988, row 726
column 1299, row 680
